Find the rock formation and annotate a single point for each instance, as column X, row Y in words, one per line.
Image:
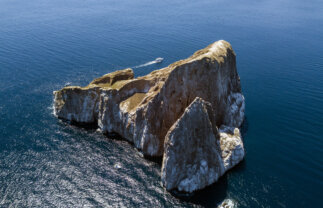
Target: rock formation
column 192, row 158
column 196, row 152
column 186, row 101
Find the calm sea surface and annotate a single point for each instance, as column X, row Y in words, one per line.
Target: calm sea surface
column 45, row 44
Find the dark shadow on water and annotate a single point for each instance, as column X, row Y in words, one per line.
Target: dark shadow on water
column 91, row 127
column 214, row 194
column 244, row 127
column 210, row 196
column 116, row 136
column 239, row 168
column 85, row 126
column 110, row 135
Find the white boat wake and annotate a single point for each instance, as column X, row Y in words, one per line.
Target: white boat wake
column 157, row 60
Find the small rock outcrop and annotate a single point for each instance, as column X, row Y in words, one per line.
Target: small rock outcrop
column 155, row 111
column 231, row 146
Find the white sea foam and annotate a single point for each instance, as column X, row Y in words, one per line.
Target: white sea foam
column 51, row 108
column 228, row 203
column 117, row 166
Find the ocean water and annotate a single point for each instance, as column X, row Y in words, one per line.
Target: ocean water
column 45, row 44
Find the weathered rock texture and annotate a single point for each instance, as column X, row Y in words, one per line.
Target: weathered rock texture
column 143, row 109
column 192, row 158
column 196, row 152
column 231, row 145
column 81, row 104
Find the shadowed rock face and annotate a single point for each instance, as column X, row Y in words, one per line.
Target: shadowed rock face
column 143, row 109
column 196, row 152
column 192, row 158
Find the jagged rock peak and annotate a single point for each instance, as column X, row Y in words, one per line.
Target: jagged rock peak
column 192, row 158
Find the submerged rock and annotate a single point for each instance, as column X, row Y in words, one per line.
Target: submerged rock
column 144, row 110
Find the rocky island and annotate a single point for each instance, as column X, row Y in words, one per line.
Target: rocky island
column 188, row 113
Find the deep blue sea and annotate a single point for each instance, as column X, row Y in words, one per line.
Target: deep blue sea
column 45, row 44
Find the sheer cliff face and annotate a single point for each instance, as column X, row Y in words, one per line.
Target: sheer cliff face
column 186, row 112
column 142, row 110
column 209, row 74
